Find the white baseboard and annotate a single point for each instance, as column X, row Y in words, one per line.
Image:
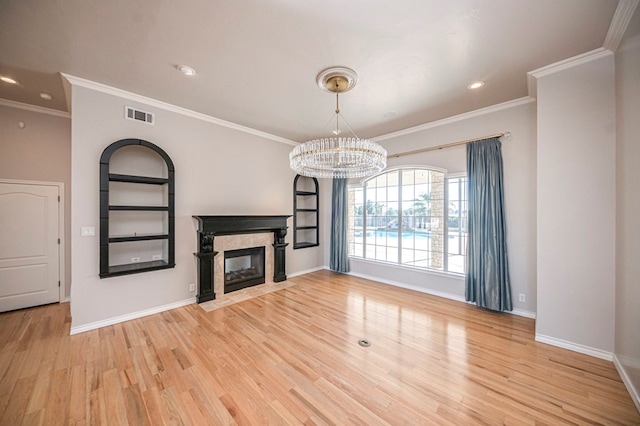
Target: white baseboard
column 576, row 347
column 450, row 296
column 523, row 313
column 627, row 381
column 131, row 316
column 307, row 271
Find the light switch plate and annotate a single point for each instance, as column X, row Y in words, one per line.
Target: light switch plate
column 88, row 231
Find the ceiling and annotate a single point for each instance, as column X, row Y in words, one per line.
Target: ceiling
column 257, row 60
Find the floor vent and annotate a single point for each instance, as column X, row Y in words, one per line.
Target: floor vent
column 136, row 114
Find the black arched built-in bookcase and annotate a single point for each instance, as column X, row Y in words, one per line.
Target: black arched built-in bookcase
column 306, row 220
column 137, row 212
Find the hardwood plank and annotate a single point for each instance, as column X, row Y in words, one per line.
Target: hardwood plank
column 41, row 387
column 17, row 403
column 291, row 357
column 78, row 406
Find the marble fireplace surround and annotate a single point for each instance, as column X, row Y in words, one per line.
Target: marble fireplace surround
column 237, row 242
column 217, row 234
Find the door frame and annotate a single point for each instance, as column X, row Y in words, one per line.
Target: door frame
column 62, row 290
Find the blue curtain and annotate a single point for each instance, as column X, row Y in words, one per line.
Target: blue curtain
column 487, row 279
column 339, row 252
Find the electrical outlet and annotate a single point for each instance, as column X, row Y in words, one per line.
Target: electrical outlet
column 157, row 257
column 522, row 297
column 135, row 259
column 192, row 287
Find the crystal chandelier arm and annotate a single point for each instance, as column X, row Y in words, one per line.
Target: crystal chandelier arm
column 349, row 126
column 338, row 115
column 328, row 122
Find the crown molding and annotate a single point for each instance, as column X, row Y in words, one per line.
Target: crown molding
column 568, row 63
column 619, row 24
column 464, row 116
column 99, row 87
column 532, row 86
column 34, row 108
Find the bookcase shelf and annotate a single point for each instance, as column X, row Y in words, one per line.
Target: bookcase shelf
column 137, row 179
column 138, row 238
column 140, row 208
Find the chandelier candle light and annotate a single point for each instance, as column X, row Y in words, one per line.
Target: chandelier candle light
column 338, row 157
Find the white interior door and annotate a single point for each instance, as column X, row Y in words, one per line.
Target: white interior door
column 29, row 246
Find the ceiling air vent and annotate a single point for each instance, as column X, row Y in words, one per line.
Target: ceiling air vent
column 136, row 114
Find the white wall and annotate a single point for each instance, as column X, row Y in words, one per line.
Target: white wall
column 218, row 171
column 41, row 151
column 627, row 334
column 518, row 118
column 576, row 205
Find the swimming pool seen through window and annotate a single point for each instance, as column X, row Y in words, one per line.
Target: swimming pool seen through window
column 415, row 217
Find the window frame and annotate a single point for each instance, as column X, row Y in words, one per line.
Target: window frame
column 362, row 186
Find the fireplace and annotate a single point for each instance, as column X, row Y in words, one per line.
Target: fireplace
column 243, row 268
column 209, row 228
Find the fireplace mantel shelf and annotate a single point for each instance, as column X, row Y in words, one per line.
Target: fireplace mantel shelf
column 230, row 225
column 213, row 226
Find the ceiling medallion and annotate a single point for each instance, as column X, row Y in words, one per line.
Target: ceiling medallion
column 337, row 156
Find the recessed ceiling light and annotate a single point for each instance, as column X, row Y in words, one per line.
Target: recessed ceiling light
column 476, row 85
column 46, row 96
column 186, row 70
column 8, row 80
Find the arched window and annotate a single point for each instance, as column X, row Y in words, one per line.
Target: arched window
column 415, row 217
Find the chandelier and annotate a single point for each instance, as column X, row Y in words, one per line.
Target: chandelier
column 337, row 156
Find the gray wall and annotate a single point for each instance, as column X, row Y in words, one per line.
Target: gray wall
column 576, row 205
column 41, row 151
column 218, row 171
column 627, row 334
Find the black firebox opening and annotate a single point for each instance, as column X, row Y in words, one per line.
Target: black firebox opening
column 243, row 268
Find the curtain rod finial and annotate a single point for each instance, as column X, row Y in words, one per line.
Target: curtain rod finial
column 507, row 135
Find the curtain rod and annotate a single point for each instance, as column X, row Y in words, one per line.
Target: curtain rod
column 447, row 145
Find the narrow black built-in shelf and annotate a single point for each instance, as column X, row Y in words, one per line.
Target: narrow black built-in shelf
column 138, row 238
column 137, row 179
column 166, row 221
column 140, row 208
column 305, row 212
column 136, row 268
column 305, row 245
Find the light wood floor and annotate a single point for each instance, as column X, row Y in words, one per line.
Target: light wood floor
column 292, row 357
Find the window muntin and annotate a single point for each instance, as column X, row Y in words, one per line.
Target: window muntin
column 400, row 217
column 457, row 221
